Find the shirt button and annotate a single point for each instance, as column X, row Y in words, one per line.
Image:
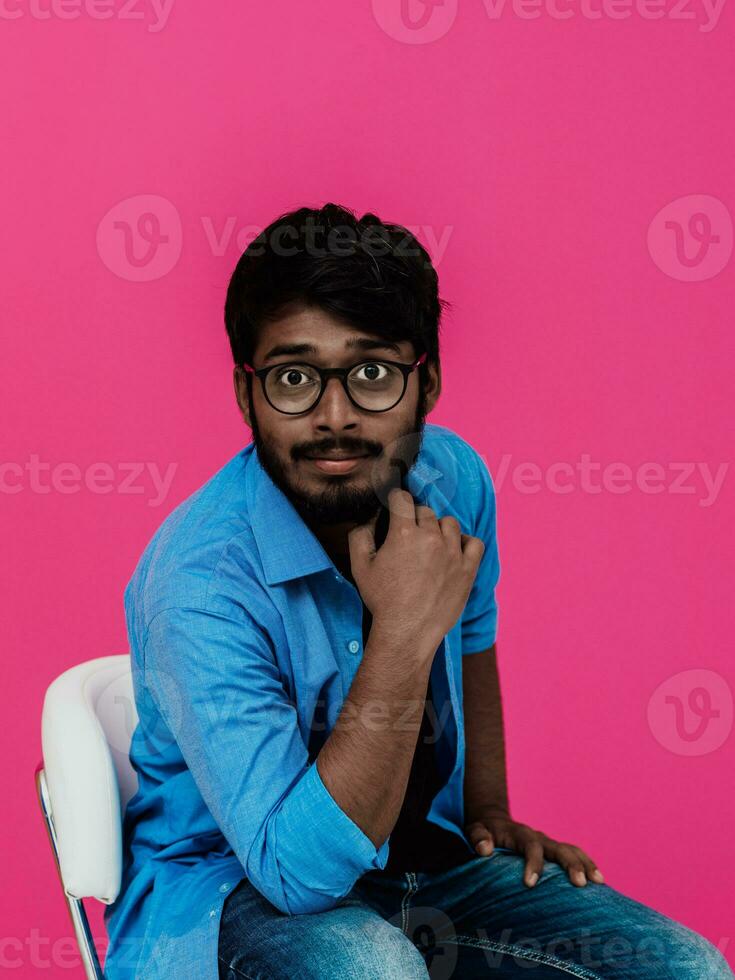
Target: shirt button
column 353, row 646
column 223, row 888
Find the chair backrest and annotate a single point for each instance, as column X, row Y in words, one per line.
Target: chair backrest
column 88, row 720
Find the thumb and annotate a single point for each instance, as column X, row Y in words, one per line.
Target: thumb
column 480, row 838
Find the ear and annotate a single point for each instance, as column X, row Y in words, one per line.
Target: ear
column 433, row 384
column 241, row 394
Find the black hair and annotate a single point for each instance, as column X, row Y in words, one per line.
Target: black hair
column 369, row 274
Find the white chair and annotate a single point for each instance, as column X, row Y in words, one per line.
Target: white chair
column 84, row 783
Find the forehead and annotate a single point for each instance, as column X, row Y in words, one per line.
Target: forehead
column 313, row 333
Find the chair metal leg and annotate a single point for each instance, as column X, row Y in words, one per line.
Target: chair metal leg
column 82, row 931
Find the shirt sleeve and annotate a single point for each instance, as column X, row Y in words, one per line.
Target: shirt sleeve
column 480, row 616
column 216, row 683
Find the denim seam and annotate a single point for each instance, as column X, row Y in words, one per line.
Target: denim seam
column 231, row 966
column 412, row 886
column 522, row 953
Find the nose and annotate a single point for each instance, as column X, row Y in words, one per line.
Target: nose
column 335, row 410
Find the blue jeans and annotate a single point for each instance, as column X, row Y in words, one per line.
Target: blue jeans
column 475, row 920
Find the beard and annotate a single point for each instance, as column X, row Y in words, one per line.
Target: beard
column 341, row 502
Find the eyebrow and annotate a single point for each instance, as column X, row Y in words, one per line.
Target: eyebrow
column 356, row 343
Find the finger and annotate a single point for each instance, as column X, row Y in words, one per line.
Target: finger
column 570, row 861
column 361, row 542
column 534, row 853
column 590, row 868
column 472, row 548
column 426, row 517
column 480, row 838
column 401, row 510
column 451, row 530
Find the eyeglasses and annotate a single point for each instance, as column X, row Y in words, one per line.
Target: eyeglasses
column 374, row 386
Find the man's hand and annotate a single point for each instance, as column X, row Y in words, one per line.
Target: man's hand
column 418, row 582
column 495, row 827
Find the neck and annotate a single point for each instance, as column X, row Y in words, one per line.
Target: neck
column 333, row 538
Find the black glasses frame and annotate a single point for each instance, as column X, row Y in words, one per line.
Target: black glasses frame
column 342, row 373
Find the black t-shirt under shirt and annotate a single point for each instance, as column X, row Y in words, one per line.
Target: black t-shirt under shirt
column 416, row 844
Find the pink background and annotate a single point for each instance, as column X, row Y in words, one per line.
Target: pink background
column 538, row 152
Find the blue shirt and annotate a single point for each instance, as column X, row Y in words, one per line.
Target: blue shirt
column 242, row 634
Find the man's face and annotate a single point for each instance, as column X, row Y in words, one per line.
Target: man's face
column 285, row 442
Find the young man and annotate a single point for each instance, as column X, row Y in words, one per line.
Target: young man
column 322, row 786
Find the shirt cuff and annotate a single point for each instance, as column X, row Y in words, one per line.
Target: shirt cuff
column 481, row 634
column 324, row 847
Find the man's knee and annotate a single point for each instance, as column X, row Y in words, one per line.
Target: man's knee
column 336, row 945
column 377, row 949
column 695, row 958
column 678, row 953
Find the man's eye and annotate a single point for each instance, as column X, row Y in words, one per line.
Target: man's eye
column 373, row 371
column 294, row 377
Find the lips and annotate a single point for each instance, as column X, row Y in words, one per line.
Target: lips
column 339, row 456
column 336, row 464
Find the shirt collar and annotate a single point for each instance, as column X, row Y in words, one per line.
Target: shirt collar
column 288, row 547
